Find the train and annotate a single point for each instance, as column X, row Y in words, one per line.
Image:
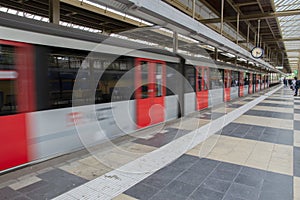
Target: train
column 54, row 79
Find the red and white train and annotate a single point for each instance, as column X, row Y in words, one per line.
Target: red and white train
column 39, row 64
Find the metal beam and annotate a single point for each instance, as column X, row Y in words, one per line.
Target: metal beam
column 101, row 11
column 253, row 16
column 283, row 40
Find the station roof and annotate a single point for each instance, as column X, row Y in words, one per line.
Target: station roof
column 275, row 20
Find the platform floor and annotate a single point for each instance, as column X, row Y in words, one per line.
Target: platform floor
column 245, row 149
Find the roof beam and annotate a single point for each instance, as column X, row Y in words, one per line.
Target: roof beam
column 253, row 16
column 101, row 11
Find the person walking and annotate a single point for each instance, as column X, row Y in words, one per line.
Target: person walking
column 285, row 82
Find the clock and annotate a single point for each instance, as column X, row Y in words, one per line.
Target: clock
column 257, row 52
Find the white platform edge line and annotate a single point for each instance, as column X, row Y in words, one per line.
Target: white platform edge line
column 119, row 180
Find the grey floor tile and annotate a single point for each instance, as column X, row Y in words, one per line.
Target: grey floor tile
column 223, row 175
column 297, row 111
column 21, row 198
column 165, row 195
column 297, row 161
column 157, row 181
column 253, row 135
column 178, row 187
column 274, row 196
column 8, row 193
column 191, row 177
column 169, row 172
column 296, row 125
column 141, row 191
column 62, row 178
column 229, row 167
column 34, row 186
column 243, row 191
column 206, row 194
column 184, row 162
column 216, row 185
column 46, row 192
column 249, row 180
column 253, row 172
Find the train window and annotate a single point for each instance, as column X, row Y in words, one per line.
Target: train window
column 144, row 73
column 200, row 76
column 206, row 77
column 158, row 80
column 216, row 78
column 7, row 97
column 190, row 76
column 7, row 61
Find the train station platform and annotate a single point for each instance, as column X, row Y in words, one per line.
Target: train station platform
column 245, row 149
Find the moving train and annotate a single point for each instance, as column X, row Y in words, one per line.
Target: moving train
column 48, row 71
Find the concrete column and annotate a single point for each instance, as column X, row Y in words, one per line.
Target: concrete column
column 54, row 11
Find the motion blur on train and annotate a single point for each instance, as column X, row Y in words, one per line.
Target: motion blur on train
column 39, row 68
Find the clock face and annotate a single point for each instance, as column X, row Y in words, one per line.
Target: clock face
column 257, row 52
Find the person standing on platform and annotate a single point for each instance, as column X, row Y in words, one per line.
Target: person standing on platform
column 285, row 82
column 296, row 85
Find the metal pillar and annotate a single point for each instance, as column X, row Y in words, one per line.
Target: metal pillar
column 248, row 34
column 216, row 53
column 237, row 28
column 175, row 42
column 222, row 16
column 194, row 8
column 258, row 29
column 54, row 11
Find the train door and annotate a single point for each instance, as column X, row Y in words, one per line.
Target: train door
column 227, row 84
column 250, row 83
column 202, row 87
column 16, row 98
column 241, row 84
column 150, row 93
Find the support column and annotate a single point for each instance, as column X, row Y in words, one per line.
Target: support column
column 222, row 16
column 54, row 11
column 194, row 8
column 216, row 53
column 175, row 42
column 237, row 28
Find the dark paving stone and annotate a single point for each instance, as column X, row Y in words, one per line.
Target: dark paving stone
column 161, row 139
column 216, row 185
column 8, row 193
column 270, row 114
column 207, row 194
column 296, row 125
column 164, row 195
column 21, row 198
column 34, row 186
column 296, row 111
column 229, row 167
column 285, row 138
column 192, row 178
column 178, row 187
column 281, row 100
column 162, row 177
column 297, row 161
column 184, row 162
column 204, row 166
column 212, row 116
column 243, row 191
column 141, row 191
column 253, row 135
column 250, row 180
column 223, row 175
column 274, row 196
column 62, row 178
column 47, row 192
column 275, row 105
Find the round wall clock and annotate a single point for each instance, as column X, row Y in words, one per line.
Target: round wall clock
column 257, row 52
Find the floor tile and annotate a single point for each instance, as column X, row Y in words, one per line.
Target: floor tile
column 141, row 191
column 207, row 194
column 24, row 183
